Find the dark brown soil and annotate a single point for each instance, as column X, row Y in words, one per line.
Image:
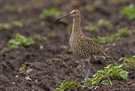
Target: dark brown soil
column 54, row 62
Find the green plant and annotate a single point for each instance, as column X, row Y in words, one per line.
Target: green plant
column 124, row 31
column 65, row 85
column 32, row 20
column 6, row 26
column 96, row 27
column 128, row 11
column 36, row 1
column 92, row 27
column 51, row 35
column 103, row 22
column 90, row 7
column 118, row 2
column 17, row 24
column 10, row 8
column 117, row 36
column 106, row 39
column 129, row 62
column 50, row 12
column 40, row 38
column 20, row 40
column 109, row 73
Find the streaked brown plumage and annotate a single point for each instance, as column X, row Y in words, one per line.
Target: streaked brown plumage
column 82, row 45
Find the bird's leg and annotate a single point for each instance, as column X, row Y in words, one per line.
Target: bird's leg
column 87, row 69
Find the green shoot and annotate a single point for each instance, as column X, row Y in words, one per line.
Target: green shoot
column 40, row 38
column 90, row 7
column 124, row 31
column 92, row 27
column 96, row 27
column 20, row 40
column 17, row 42
column 50, row 13
column 117, row 1
column 36, row 1
column 32, row 20
column 129, row 62
column 17, row 24
column 117, row 36
column 5, row 26
column 109, row 73
column 51, row 35
column 10, row 8
column 106, row 23
column 106, row 39
column 65, row 85
column 8, row 26
column 128, row 11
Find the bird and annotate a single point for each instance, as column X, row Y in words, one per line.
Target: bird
column 82, row 45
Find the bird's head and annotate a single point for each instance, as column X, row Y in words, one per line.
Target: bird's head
column 73, row 13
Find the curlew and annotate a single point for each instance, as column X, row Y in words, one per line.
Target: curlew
column 81, row 45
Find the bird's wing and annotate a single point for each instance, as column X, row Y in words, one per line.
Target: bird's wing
column 92, row 47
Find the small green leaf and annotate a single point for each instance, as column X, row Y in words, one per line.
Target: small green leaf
column 20, row 40
column 105, row 82
column 92, row 27
column 17, row 24
column 90, row 7
column 129, row 62
column 128, row 11
column 124, row 74
column 117, row 36
column 50, row 12
column 6, row 26
column 65, row 85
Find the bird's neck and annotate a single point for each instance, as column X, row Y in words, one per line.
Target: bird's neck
column 76, row 28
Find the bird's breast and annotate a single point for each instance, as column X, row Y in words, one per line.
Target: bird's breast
column 77, row 47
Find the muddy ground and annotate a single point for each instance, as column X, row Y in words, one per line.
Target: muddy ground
column 51, row 59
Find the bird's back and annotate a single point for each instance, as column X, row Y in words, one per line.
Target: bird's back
column 85, row 47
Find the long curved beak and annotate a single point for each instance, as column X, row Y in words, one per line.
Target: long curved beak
column 60, row 18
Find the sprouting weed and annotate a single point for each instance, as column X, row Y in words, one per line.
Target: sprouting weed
column 8, row 26
column 17, row 42
column 128, row 11
column 90, row 7
column 106, row 23
column 124, row 31
column 17, row 24
column 129, row 62
column 109, row 73
column 65, row 85
column 96, row 27
column 20, row 40
column 92, row 27
column 40, row 38
column 51, row 35
column 117, row 36
column 5, row 26
column 10, row 8
column 50, row 13
column 117, row 1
